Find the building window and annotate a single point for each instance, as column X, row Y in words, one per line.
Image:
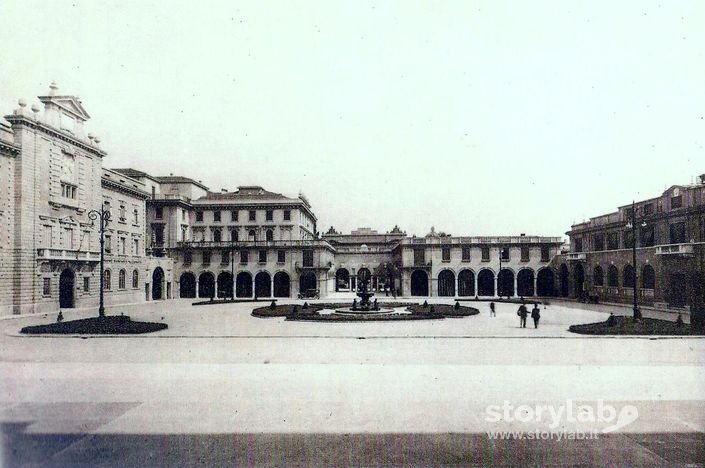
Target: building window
column 183, row 215
column 598, row 276
column 188, row 257
column 108, row 244
column 86, row 284
column 216, row 235
column 263, row 256
column 287, row 215
column 629, row 239
column 233, row 235
column 676, row 202
column 524, row 253
column 122, row 213
column 628, row 276
column 612, row 277
column 206, row 257
column 135, row 279
column 199, row 216
column 269, row 215
column 281, row 256
column 225, row 257
column 135, row 216
column 466, row 254
column 243, row 256
column 233, row 215
column 107, row 283
column 252, row 215
column 46, row 290
column 648, row 209
column 419, row 257
column 612, row 240
column 308, row 258
column 485, row 254
column 252, row 235
column 69, row 238
column 270, row 235
column 599, row 242
column 158, row 212
column 68, row 191
column 677, row 233
column 123, row 248
column 135, row 247
column 216, row 216
column 445, row 254
column 545, row 253
column 121, row 279
column 578, row 244
column 504, row 253
column 647, row 236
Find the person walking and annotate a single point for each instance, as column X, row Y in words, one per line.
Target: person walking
column 522, row 313
column 536, row 315
column 492, row 312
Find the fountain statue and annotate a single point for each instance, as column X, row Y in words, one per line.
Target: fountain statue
column 364, row 293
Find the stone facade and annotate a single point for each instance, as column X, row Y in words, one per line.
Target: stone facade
column 669, row 251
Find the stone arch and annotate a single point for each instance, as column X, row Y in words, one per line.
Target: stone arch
column 628, row 276
column 598, row 276
column 342, row 279
column 648, row 277
column 282, row 284
column 485, row 282
column 158, row 284
column 578, row 280
column 525, row 282
column 67, row 287
column 446, row 283
column 564, row 280
column 206, row 284
column 269, row 235
column 307, row 280
column 419, row 283
column 243, row 284
column 466, row 283
column 546, row 283
column 612, row 277
column 505, row 282
column 263, row 284
column 187, row 285
column 225, row 284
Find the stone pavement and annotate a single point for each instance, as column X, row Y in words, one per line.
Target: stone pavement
column 225, row 388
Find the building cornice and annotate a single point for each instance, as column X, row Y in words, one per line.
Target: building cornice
column 10, row 148
column 54, row 132
column 111, row 184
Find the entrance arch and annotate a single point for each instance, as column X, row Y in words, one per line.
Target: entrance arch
column 243, row 284
column 282, row 284
column 364, row 274
column 206, row 285
column 485, row 283
column 157, row 284
column 67, row 281
column 648, row 277
column 564, row 280
column 446, row 283
column 342, row 280
column 466, row 283
column 307, row 280
column 525, row 282
column 263, row 284
column 225, row 284
column 579, row 275
column 187, row 285
column 419, row 283
column 505, row 282
column 545, row 283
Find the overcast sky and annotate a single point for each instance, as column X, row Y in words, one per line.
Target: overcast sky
column 478, row 118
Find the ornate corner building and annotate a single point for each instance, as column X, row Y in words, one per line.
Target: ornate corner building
column 666, row 237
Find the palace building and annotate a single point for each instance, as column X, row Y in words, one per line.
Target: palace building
column 667, row 236
column 171, row 237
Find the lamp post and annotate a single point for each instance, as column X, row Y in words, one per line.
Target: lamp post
column 104, row 216
column 631, row 224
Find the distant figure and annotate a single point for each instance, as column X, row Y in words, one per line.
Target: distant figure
column 492, row 311
column 60, row 317
column 611, row 320
column 522, row 313
column 679, row 321
column 536, row 315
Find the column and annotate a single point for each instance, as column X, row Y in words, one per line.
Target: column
column 496, row 283
column 516, row 291
column 233, row 287
column 271, row 287
column 198, row 292
column 536, row 280
column 475, row 280
column 253, row 286
column 215, row 288
column 456, row 286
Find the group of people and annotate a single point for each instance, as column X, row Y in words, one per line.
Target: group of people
column 523, row 312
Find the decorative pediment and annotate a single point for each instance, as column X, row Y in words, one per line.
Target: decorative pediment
column 69, row 104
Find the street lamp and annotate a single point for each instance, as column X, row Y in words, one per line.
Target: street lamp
column 631, row 224
column 104, row 216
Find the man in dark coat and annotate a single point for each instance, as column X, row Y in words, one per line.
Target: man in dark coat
column 522, row 313
column 536, row 315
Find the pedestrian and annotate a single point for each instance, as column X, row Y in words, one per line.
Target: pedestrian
column 536, row 315
column 492, row 312
column 522, row 313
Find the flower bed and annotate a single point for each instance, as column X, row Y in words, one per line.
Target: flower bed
column 447, row 310
column 315, row 317
column 627, row 326
column 111, row 325
column 285, row 310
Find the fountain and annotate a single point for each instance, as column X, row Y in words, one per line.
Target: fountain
column 364, row 294
column 364, row 306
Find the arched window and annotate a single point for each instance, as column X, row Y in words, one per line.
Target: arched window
column 598, row 276
column 648, row 277
column 106, row 280
column 612, row 276
column 252, row 235
column 135, row 279
column 270, row 235
column 121, row 279
column 628, row 276
column 233, row 235
column 216, row 235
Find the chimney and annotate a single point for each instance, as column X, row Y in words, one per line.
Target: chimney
column 702, row 179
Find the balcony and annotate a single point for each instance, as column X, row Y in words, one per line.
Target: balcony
column 67, row 254
column 252, row 244
column 576, row 257
column 675, row 249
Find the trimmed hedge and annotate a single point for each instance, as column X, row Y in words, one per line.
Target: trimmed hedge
column 285, row 310
column 363, row 317
column 111, row 325
column 447, row 310
column 626, row 326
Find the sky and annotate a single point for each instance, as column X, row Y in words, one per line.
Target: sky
column 477, row 118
